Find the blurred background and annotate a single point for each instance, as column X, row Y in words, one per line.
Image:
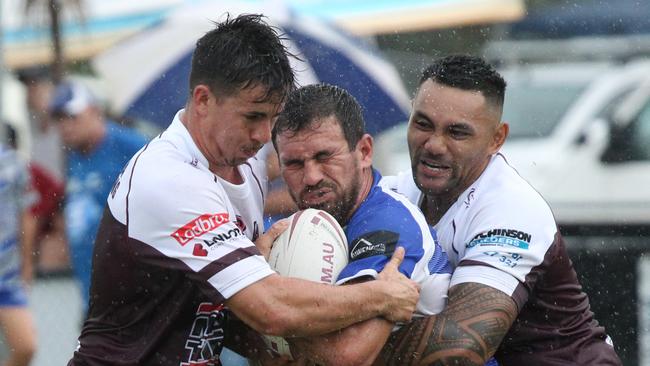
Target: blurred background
column 578, row 103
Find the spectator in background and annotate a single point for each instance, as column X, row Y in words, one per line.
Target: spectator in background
column 97, row 150
column 45, row 149
column 17, row 229
column 46, row 170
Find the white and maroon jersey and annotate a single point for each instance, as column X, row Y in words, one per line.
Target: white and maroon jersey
column 501, row 233
column 175, row 242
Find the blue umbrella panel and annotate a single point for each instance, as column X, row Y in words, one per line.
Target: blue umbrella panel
column 160, row 101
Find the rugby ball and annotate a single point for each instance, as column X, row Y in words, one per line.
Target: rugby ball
column 312, row 248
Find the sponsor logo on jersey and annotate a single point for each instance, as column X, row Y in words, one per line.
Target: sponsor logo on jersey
column 199, row 226
column 205, row 341
column 221, row 238
column 502, row 237
column 198, row 251
column 239, row 222
column 374, row 243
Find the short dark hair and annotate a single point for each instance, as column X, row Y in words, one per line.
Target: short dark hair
column 467, row 73
column 311, row 103
column 239, row 53
column 34, row 74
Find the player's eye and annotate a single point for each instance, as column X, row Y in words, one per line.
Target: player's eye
column 323, row 156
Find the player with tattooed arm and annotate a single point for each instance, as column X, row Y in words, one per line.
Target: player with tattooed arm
column 514, row 293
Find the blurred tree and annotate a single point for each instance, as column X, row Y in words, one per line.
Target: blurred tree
column 54, row 10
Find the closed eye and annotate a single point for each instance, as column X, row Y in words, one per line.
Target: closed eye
column 323, row 156
column 292, row 164
column 420, row 121
column 460, row 131
column 254, row 116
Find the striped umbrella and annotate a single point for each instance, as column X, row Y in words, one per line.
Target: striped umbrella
column 147, row 75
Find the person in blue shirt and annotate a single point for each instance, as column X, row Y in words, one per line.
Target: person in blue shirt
column 97, row 149
column 326, row 161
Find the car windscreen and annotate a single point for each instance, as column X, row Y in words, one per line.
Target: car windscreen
column 534, row 110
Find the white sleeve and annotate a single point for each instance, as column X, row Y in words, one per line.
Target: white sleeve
column 505, row 241
column 184, row 215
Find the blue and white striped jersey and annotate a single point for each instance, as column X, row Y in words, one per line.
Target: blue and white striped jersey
column 384, row 221
column 16, row 194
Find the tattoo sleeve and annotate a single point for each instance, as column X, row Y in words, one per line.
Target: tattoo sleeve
column 467, row 332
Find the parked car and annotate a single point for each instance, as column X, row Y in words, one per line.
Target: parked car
column 579, row 133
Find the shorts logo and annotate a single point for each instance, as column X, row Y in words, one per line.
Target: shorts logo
column 502, row 237
column 205, row 341
column 199, row 226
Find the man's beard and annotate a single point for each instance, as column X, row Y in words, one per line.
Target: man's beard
column 340, row 209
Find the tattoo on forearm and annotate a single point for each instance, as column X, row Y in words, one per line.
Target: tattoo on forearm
column 468, row 332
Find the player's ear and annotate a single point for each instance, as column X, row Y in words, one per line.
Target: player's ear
column 200, row 97
column 364, row 147
column 499, row 137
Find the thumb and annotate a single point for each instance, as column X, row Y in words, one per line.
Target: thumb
column 396, row 259
column 278, row 228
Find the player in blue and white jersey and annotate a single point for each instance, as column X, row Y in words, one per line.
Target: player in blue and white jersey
column 326, row 161
column 17, row 228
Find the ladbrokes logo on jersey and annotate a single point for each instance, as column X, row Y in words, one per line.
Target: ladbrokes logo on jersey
column 502, row 237
column 199, row 226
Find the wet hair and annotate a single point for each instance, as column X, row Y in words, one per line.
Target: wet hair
column 467, row 73
column 311, row 104
column 239, row 53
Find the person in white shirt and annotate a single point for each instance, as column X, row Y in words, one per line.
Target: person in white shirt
column 514, row 293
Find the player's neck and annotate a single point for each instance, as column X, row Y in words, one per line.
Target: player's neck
column 364, row 190
column 435, row 207
column 228, row 173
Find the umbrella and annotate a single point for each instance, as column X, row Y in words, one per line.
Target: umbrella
column 147, row 75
